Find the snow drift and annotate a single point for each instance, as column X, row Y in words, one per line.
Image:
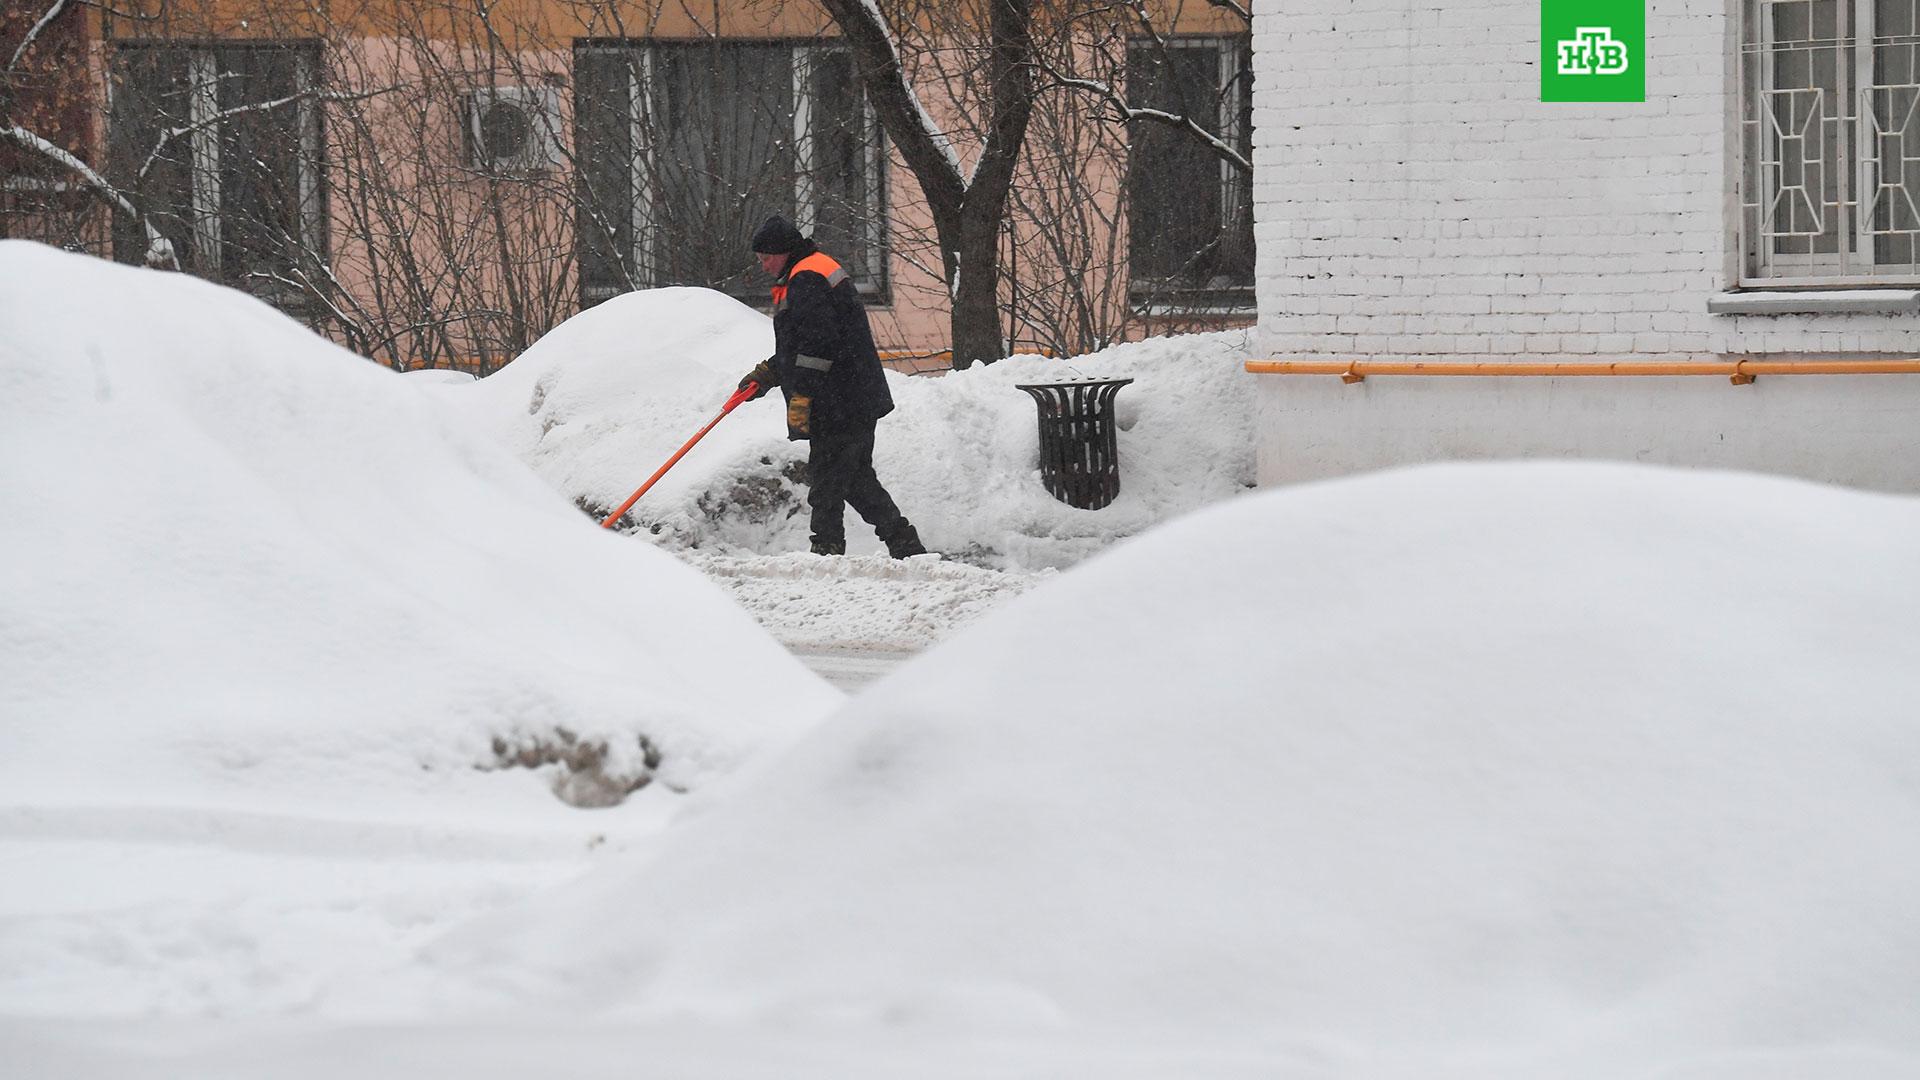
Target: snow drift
column 1515, row 770
column 244, row 566
column 599, row 402
column 602, row 399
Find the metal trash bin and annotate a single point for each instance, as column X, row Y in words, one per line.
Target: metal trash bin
column 1079, row 457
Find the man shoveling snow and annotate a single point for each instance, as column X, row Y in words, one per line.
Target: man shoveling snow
column 825, row 363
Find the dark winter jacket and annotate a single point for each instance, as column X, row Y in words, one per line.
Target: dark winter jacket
column 823, row 345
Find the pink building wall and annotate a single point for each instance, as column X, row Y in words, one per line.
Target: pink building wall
column 486, row 265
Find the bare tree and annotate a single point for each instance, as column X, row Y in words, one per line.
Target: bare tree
column 968, row 204
column 1066, row 254
column 1108, row 89
column 1197, row 119
column 1172, row 81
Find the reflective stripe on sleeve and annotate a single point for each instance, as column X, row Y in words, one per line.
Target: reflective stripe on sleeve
column 813, row 363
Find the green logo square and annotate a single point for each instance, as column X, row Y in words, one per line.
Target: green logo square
column 1593, row 50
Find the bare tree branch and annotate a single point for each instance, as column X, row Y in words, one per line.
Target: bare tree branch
column 159, row 249
column 968, row 210
column 921, row 141
column 27, row 42
column 167, row 137
column 1124, row 111
column 1244, row 12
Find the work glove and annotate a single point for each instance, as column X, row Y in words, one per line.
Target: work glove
column 799, row 416
column 762, row 373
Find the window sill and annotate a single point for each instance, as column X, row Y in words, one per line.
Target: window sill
column 1816, row 302
column 1196, row 303
column 1174, row 311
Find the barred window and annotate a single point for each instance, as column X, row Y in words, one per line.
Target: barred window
column 1189, row 211
column 1830, row 142
column 685, row 147
column 223, row 154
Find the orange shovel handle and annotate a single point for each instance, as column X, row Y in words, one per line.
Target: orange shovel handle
column 733, row 403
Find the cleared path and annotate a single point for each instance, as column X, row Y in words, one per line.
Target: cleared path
column 851, row 669
column 855, row 618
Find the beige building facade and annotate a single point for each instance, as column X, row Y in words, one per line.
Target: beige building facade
column 438, row 184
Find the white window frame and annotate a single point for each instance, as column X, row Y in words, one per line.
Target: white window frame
column 1235, row 57
column 1857, row 137
column 203, row 151
column 203, row 148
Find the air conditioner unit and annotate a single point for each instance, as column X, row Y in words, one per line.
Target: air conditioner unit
column 512, row 130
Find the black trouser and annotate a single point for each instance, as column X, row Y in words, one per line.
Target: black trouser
column 840, row 473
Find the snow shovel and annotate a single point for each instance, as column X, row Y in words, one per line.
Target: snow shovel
column 733, row 403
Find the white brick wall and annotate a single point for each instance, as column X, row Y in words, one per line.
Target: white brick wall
column 1414, row 197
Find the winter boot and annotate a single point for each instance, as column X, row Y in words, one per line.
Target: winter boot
column 904, row 541
column 829, row 547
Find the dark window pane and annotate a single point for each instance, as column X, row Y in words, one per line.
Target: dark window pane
column 1805, row 188
column 1895, row 152
column 724, row 159
column 1189, row 215
column 845, row 174
column 262, row 166
column 152, row 94
column 684, row 148
column 603, row 118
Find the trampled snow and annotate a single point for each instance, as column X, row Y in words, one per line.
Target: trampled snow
column 604, row 399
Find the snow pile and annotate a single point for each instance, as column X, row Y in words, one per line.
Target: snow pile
column 607, row 396
column 245, row 567
column 1524, row 770
column 600, row 402
column 966, row 448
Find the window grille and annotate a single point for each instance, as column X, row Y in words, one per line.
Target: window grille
column 1190, row 211
column 1830, row 142
column 685, row 147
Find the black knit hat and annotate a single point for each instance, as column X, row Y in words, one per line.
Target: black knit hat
column 777, row 236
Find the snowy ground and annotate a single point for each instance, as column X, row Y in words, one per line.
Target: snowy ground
column 1494, row 772
column 862, row 603
column 852, row 620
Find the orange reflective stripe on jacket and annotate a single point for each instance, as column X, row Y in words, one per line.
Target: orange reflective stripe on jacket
column 818, row 263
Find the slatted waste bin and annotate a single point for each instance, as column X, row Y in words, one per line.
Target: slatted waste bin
column 1079, row 457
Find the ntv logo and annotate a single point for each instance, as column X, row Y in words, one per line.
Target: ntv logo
column 1592, row 51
